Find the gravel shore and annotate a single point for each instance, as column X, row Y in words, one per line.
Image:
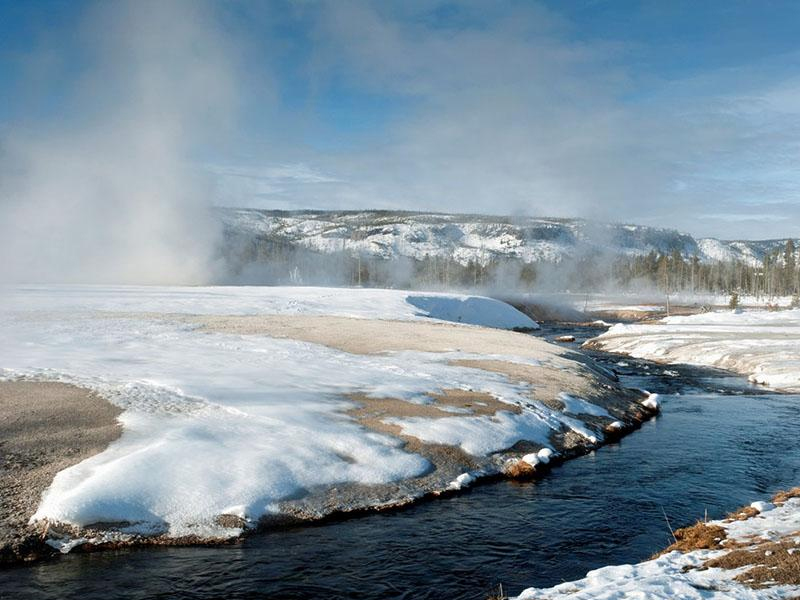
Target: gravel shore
column 44, row 428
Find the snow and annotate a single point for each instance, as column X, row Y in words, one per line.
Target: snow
column 462, row 481
column 532, row 459
column 762, row 506
column 649, row 304
column 545, row 454
column 678, row 575
column 772, row 523
column 475, row 310
column 652, row 402
column 483, row 435
column 243, row 300
column 667, row 577
column 763, row 345
column 217, row 423
column 578, row 406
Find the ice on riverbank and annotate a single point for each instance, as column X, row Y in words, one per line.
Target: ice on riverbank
column 240, row 424
column 765, row 346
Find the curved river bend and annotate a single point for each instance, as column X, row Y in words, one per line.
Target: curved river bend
column 718, row 444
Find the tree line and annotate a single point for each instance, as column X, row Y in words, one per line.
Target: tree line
column 777, row 275
column 255, row 259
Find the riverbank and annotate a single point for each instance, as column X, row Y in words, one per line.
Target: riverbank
column 245, row 409
column 761, row 345
column 753, row 553
column 604, row 508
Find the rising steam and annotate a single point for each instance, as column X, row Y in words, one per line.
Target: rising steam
column 105, row 191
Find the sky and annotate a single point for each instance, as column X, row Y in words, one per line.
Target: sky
column 676, row 114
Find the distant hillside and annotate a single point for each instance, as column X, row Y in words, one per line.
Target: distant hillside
column 478, row 238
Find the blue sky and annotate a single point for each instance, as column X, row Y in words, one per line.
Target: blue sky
column 678, row 114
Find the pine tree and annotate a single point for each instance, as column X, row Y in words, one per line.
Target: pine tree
column 789, row 267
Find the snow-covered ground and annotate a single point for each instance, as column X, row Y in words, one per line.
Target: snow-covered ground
column 686, row 576
column 652, row 302
column 358, row 303
column 765, row 346
column 218, row 423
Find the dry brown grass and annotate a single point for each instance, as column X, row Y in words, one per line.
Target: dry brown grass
column 782, row 497
column 742, row 514
column 700, row 536
column 770, row 563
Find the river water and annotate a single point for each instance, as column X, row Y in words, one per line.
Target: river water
column 718, row 444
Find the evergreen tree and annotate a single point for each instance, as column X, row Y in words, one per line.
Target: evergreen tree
column 789, row 267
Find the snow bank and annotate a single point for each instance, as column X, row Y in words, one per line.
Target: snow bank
column 762, row 345
column 217, row 423
column 242, row 300
column 474, row 310
column 649, row 304
column 579, row 406
column 678, row 575
column 668, row 577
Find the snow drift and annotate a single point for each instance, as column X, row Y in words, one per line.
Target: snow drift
column 765, row 346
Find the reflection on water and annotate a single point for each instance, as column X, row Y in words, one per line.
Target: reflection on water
column 708, row 451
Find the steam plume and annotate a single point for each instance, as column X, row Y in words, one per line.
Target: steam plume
column 105, row 190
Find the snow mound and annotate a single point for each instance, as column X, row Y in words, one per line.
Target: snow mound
column 652, row 402
column 462, row 481
column 532, row 459
column 579, row 406
column 472, row 310
column 545, row 454
column 762, row 506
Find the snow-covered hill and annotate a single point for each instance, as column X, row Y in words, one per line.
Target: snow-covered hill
column 479, row 238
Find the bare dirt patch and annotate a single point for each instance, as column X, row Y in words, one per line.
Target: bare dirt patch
column 44, row 428
column 448, row 403
column 373, row 412
column 519, row 469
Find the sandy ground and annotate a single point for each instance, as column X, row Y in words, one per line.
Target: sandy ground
column 44, row 428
